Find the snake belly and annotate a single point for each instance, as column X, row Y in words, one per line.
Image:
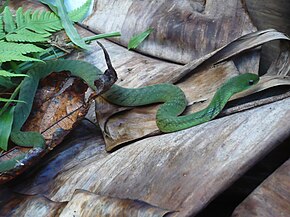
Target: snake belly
column 174, row 101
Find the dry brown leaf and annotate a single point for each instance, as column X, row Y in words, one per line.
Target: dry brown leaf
column 274, row 190
column 180, row 171
column 183, row 30
column 57, row 107
column 85, row 203
column 9, row 205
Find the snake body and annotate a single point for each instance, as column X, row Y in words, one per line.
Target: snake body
column 167, row 117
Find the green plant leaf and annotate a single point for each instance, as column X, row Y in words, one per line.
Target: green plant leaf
column 68, row 26
column 2, row 33
column 8, row 20
column 27, row 139
column 6, row 120
column 9, row 74
column 19, row 47
column 80, row 13
column 137, row 39
column 10, row 55
column 25, row 35
column 75, row 15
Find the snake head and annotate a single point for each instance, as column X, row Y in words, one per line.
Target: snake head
column 242, row 82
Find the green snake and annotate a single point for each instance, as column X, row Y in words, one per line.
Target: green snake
column 167, row 117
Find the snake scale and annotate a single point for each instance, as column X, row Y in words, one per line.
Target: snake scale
column 168, row 117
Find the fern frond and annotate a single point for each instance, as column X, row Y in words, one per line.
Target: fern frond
column 29, row 27
column 19, row 47
column 9, row 74
column 34, row 26
column 40, row 22
column 25, row 35
column 19, row 17
column 8, row 21
column 79, row 13
column 10, row 55
column 2, row 33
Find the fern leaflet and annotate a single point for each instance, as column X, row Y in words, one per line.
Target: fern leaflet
column 29, row 27
column 19, row 47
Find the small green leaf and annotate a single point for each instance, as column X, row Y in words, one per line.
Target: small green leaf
column 22, row 48
column 6, row 120
column 27, row 139
column 8, row 56
column 79, row 14
column 68, row 26
column 2, row 33
column 9, row 74
column 8, row 20
column 25, row 35
column 137, row 39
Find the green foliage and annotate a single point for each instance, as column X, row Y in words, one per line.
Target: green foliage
column 79, row 13
column 9, row 74
column 27, row 139
column 19, row 32
column 68, row 25
column 14, row 51
column 6, row 120
column 137, row 39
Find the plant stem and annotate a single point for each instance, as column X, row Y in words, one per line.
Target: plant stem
column 57, row 53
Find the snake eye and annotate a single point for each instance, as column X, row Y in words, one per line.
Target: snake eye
column 251, row 82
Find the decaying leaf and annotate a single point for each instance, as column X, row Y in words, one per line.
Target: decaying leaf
column 84, row 203
column 180, row 171
column 41, row 204
column 57, row 107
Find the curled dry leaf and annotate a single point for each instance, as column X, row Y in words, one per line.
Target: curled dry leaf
column 85, row 203
column 57, row 108
column 40, row 205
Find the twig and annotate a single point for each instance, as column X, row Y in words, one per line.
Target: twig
column 254, row 104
